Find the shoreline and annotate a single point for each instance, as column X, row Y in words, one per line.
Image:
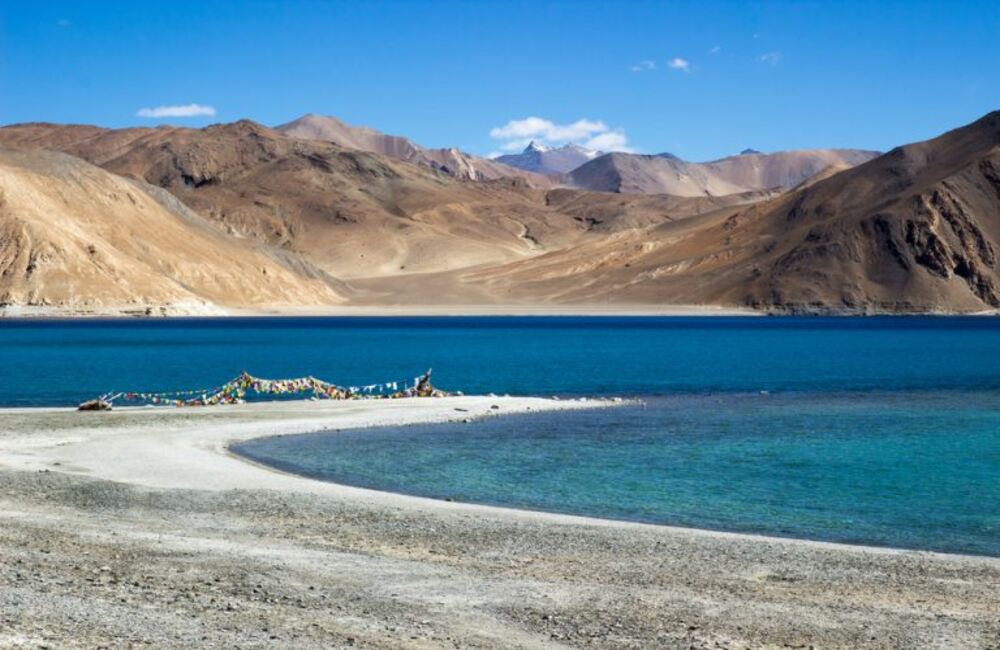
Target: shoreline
column 231, row 424
column 22, row 314
column 19, row 312
column 521, row 406
column 121, row 511
column 568, row 517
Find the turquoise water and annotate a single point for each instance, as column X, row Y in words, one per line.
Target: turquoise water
column 875, row 430
column 914, row 469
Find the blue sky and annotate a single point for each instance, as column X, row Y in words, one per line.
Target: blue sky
column 700, row 80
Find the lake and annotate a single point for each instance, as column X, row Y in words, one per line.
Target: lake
column 869, row 430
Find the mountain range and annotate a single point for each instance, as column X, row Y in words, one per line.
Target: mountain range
column 668, row 174
column 451, row 161
column 316, row 215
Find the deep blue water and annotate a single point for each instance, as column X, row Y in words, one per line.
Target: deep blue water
column 875, row 430
column 63, row 362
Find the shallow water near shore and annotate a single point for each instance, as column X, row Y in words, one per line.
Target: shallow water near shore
column 913, row 469
column 881, row 431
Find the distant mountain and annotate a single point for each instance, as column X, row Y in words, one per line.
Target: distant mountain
column 549, row 160
column 784, row 169
column 450, row 161
column 642, row 174
column 244, row 216
column 348, row 213
column 250, row 218
column 914, row 230
column 668, row 174
column 330, row 129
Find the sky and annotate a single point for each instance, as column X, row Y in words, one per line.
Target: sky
column 700, row 80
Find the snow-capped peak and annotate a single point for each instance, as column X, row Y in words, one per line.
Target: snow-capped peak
column 536, row 147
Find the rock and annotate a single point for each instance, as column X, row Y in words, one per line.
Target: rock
column 95, row 405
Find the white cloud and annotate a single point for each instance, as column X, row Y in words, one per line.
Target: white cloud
column 576, row 130
column 715, row 49
column 677, row 63
column 186, row 110
column 537, row 127
column 643, row 66
column 770, row 58
column 610, row 141
column 520, row 128
column 595, row 134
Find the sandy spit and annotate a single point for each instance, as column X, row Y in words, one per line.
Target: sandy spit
column 137, row 528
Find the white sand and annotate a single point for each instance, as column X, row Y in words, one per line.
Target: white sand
column 138, row 527
column 188, row 448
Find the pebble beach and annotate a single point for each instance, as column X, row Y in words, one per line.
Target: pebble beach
column 138, row 528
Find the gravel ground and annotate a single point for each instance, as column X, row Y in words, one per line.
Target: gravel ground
column 90, row 562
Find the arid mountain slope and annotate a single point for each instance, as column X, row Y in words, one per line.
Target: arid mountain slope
column 666, row 174
column 362, row 138
column 448, row 160
column 351, row 212
column 77, row 238
column 639, row 174
column 917, row 229
column 822, row 175
column 784, row 169
column 611, row 213
column 914, row 230
column 354, row 214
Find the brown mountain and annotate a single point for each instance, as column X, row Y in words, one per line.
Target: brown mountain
column 336, row 214
column 667, row 174
column 351, row 212
column 74, row 237
column 448, row 160
column 756, row 170
column 914, row 230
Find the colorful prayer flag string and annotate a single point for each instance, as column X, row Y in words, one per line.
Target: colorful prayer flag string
column 235, row 391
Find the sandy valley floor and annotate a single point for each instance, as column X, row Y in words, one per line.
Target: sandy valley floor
column 136, row 529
